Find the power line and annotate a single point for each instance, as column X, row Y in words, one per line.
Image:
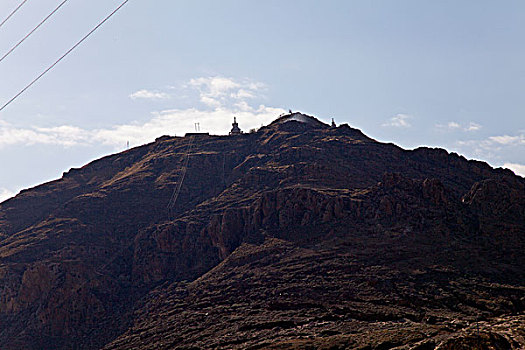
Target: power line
column 33, row 30
column 12, row 13
column 184, row 169
column 64, row 55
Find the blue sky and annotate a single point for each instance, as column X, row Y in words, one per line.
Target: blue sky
column 445, row 74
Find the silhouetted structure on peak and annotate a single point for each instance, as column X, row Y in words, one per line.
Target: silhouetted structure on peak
column 235, row 128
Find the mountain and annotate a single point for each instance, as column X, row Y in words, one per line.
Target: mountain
column 297, row 236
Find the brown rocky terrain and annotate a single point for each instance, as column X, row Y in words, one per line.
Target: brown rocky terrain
column 296, row 236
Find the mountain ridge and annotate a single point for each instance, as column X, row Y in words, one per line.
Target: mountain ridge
column 97, row 242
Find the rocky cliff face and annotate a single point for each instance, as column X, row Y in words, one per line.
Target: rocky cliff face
column 298, row 235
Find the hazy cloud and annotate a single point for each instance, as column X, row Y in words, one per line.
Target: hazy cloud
column 494, row 148
column 64, row 135
column 149, row 95
column 457, row 126
column 518, row 169
column 216, row 92
column 5, row 194
column 507, row 139
column 473, row 127
column 215, row 86
column 495, row 142
column 399, row 121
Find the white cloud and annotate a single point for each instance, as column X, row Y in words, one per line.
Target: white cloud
column 149, row 95
column 457, row 126
column 473, row 127
column 212, row 92
column 211, row 102
column 227, row 97
column 215, row 86
column 518, row 169
column 215, row 92
column 505, row 139
column 64, row 135
column 179, row 122
column 399, row 121
column 5, row 194
column 494, row 148
column 495, row 142
column 243, row 94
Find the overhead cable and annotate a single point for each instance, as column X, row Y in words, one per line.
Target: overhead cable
column 33, row 30
column 12, row 13
column 184, row 169
column 64, row 55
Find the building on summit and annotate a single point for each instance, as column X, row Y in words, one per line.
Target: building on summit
column 235, row 128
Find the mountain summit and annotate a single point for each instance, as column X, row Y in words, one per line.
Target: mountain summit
column 298, row 235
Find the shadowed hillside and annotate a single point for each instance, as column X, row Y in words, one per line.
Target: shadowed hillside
column 299, row 235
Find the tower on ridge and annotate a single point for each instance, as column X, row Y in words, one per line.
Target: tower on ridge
column 235, row 128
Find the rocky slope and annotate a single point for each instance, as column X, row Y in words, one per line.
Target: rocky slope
column 297, row 236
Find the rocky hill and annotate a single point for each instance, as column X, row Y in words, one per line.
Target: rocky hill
column 299, row 236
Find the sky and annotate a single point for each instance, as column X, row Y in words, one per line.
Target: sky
column 447, row 74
